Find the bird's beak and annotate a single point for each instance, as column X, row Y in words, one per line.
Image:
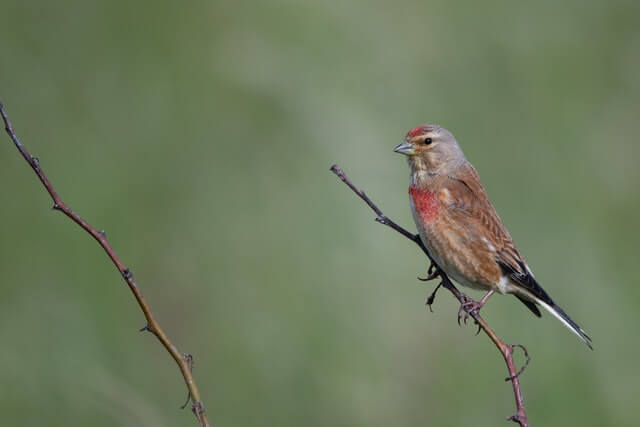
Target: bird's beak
column 405, row 148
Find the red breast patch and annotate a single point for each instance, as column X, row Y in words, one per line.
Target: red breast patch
column 425, row 203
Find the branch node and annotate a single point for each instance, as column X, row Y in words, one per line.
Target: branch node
column 198, row 409
column 102, row 234
column 35, row 162
column 189, row 359
column 127, row 274
column 56, row 207
column 526, row 363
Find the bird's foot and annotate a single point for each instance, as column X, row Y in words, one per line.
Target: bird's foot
column 469, row 307
column 432, row 273
column 432, row 297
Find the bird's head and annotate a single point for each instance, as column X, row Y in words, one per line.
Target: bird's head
column 431, row 149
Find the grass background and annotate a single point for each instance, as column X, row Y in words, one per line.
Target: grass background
column 199, row 135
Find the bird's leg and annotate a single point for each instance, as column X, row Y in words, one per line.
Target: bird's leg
column 469, row 306
column 432, row 273
column 485, row 298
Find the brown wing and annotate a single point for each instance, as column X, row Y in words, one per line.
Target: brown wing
column 469, row 202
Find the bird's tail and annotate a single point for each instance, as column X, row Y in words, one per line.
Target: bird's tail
column 566, row 321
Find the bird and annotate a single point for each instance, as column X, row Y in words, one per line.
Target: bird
column 461, row 229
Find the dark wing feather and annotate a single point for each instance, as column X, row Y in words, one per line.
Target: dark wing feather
column 530, row 305
column 525, row 279
column 507, row 255
column 473, row 201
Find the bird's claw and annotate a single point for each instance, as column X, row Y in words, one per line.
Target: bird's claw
column 432, row 273
column 467, row 308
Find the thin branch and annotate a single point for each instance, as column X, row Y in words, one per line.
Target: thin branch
column 506, row 350
column 184, row 361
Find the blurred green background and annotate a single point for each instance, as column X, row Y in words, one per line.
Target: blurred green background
column 199, row 135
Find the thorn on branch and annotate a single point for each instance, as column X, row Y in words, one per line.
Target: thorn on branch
column 516, row 418
column 146, row 328
column 127, row 274
column 56, row 207
column 526, row 363
column 188, row 400
column 382, row 219
column 189, row 359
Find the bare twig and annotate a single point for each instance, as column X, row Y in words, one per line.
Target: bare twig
column 184, row 361
column 506, row 350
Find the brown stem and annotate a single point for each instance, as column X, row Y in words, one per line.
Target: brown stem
column 183, row 360
column 506, row 350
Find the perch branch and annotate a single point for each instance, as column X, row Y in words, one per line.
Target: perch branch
column 506, row 350
column 184, row 360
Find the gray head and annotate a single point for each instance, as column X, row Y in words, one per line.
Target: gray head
column 431, row 149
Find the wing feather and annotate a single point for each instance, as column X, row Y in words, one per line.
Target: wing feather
column 469, row 198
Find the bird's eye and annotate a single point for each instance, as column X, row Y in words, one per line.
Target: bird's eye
column 428, row 141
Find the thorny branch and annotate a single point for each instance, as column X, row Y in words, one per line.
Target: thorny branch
column 434, row 271
column 184, row 360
